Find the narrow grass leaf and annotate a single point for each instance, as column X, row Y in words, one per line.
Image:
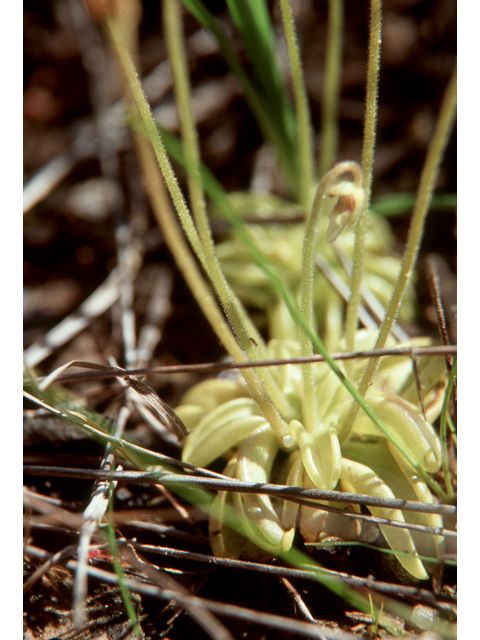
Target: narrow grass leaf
column 274, row 114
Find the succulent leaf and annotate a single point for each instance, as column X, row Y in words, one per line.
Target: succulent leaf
column 406, row 424
column 226, row 542
column 209, row 394
column 358, row 478
column 321, row 454
column 294, row 479
column 221, row 429
column 254, row 463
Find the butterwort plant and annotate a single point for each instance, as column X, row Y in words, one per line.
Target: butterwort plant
column 321, row 450
column 352, row 427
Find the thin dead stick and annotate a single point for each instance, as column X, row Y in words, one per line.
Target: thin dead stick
column 172, row 532
column 414, row 593
column 129, row 252
column 307, row 573
column 223, row 483
column 48, row 499
column 46, row 179
column 436, row 531
column 197, row 611
column 285, row 493
column 240, row 613
column 36, row 523
column 125, row 519
column 214, row 367
column 298, row 600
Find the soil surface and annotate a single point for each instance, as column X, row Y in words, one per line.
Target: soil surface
column 73, row 242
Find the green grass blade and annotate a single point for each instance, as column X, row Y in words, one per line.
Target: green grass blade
column 403, row 203
column 254, row 27
column 117, row 567
column 269, row 104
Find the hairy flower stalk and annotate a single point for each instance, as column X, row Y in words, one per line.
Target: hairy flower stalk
column 369, row 137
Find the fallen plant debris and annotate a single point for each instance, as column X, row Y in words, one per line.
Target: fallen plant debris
column 164, row 449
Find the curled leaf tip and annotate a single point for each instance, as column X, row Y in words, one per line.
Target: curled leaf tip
column 347, row 187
